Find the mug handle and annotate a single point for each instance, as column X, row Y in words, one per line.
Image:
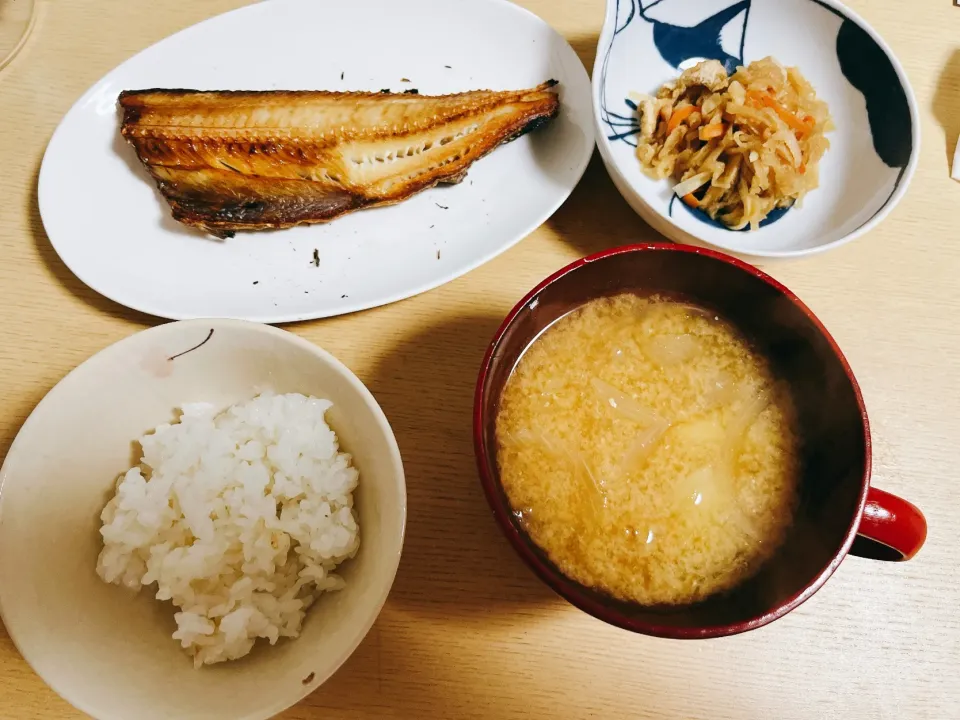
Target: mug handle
column 890, row 528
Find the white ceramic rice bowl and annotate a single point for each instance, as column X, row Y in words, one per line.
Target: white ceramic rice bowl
column 109, row 652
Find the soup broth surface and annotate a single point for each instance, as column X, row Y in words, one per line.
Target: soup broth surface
column 648, row 450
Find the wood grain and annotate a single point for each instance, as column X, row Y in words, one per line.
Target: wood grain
column 468, row 632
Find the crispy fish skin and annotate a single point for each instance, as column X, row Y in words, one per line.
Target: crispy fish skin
column 252, row 160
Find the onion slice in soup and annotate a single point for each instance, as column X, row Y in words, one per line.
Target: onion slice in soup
column 642, row 447
column 625, row 405
column 655, row 425
column 667, row 350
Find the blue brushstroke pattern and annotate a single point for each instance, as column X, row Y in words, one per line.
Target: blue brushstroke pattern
column 867, row 67
column 771, row 217
column 678, row 44
column 622, row 127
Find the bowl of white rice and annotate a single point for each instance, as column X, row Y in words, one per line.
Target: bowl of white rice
column 201, row 521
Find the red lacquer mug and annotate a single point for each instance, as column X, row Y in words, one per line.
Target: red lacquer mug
column 839, row 512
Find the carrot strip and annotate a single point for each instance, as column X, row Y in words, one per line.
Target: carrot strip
column 754, row 98
column 712, row 130
column 763, row 99
column 808, row 123
column 691, row 200
column 679, row 115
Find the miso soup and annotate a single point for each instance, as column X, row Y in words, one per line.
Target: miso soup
column 647, row 448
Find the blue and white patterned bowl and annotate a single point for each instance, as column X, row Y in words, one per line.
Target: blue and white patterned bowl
column 874, row 148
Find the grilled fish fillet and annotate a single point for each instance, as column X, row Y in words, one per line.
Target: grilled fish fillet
column 250, row 160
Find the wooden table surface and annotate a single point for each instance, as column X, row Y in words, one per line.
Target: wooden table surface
column 468, row 632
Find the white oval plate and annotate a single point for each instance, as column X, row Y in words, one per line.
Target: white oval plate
column 112, row 229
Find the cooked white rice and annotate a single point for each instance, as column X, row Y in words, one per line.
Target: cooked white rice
column 239, row 519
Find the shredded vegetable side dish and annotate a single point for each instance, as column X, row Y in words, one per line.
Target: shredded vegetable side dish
column 737, row 146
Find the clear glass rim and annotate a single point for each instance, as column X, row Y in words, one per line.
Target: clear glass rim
column 24, row 35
